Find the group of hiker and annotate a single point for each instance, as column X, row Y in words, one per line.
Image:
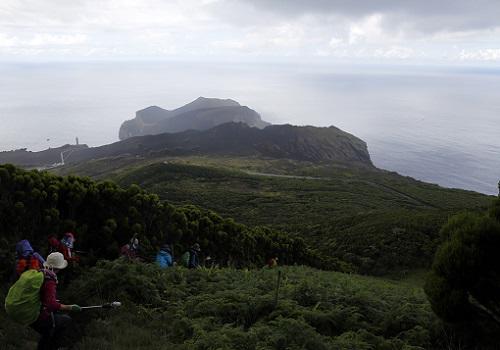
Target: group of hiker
column 32, row 299
column 165, row 256
column 28, row 259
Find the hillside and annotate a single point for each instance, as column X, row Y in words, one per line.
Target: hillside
column 237, row 139
column 201, row 114
column 376, row 220
column 104, row 215
column 235, row 309
column 46, row 158
column 227, row 308
column 276, row 141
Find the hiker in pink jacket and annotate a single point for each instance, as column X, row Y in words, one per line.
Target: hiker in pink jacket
column 51, row 323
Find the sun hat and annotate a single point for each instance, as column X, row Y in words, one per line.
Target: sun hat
column 55, row 261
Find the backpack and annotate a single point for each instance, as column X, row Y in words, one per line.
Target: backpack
column 185, row 259
column 164, row 259
column 27, row 258
column 27, row 263
column 23, row 303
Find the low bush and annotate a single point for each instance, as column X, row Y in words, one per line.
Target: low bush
column 235, row 309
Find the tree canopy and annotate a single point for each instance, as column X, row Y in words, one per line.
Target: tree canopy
column 463, row 286
column 34, row 205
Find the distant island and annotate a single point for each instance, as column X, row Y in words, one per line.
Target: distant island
column 208, row 126
column 201, row 114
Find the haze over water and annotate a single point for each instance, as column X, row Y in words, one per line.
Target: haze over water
column 440, row 125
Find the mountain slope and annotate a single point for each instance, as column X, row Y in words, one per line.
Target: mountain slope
column 276, row 141
column 48, row 157
column 201, row 114
column 235, row 309
column 376, row 220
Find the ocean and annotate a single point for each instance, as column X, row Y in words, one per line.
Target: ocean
column 436, row 124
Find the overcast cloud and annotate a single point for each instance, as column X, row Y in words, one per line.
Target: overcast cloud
column 385, row 30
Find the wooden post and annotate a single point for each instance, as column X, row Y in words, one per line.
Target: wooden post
column 277, row 289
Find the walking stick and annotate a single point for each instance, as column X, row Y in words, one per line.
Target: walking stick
column 113, row 305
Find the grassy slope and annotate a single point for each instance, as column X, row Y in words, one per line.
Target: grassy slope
column 377, row 220
column 228, row 185
column 234, row 309
column 231, row 309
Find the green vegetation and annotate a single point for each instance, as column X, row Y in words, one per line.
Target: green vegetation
column 334, row 217
column 375, row 220
column 104, row 216
column 235, row 309
column 464, row 284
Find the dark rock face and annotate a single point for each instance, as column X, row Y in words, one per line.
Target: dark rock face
column 314, row 144
column 238, row 139
column 232, row 139
column 201, row 114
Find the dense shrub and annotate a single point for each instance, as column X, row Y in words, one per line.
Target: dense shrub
column 104, row 216
column 464, row 283
column 377, row 221
column 235, row 309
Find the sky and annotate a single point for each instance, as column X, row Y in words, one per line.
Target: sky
column 414, row 31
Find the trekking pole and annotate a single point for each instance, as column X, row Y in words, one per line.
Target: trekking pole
column 113, row 305
column 277, row 289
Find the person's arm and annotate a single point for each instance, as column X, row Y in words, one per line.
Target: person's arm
column 125, row 251
column 39, row 258
column 72, row 257
column 48, row 296
column 49, row 301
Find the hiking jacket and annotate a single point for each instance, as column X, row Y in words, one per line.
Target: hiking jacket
column 53, row 244
column 57, row 246
column 67, row 253
column 48, row 295
column 193, row 259
column 271, row 263
column 128, row 251
column 164, row 259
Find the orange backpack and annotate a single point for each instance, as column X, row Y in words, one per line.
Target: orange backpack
column 27, row 263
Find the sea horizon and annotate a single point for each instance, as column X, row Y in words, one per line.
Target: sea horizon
column 435, row 124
